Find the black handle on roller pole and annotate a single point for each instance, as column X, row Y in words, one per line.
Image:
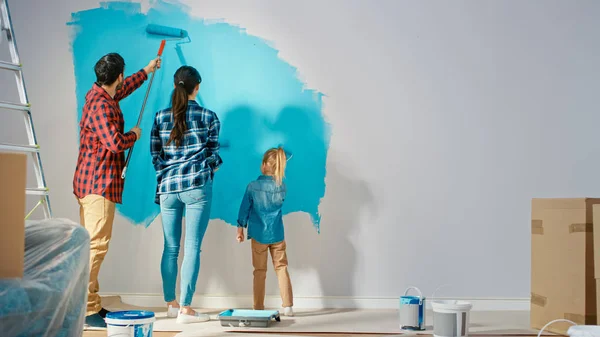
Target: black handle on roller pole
column 162, row 45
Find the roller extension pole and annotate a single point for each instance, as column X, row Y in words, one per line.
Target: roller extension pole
column 160, row 51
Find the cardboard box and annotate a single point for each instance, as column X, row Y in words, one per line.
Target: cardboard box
column 563, row 283
column 13, row 180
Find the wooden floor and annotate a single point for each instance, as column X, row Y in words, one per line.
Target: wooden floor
column 103, row 334
column 172, row 334
column 330, row 322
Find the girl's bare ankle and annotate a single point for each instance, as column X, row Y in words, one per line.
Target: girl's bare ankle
column 188, row 310
column 173, row 304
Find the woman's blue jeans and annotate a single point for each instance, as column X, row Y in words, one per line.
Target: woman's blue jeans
column 196, row 203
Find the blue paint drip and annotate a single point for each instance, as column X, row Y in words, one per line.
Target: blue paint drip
column 257, row 96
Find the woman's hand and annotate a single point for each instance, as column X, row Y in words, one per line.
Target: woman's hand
column 240, row 234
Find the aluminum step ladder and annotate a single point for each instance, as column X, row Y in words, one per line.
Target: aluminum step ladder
column 33, row 148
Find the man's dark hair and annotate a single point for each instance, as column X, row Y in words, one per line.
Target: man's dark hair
column 108, row 69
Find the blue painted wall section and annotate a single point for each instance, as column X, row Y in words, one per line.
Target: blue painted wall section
column 257, row 96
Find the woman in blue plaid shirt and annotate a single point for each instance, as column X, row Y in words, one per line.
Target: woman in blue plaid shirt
column 185, row 155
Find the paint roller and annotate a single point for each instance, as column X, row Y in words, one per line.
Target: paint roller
column 172, row 33
column 160, row 51
column 166, row 31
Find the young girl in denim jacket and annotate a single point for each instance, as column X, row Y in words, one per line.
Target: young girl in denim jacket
column 261, row 213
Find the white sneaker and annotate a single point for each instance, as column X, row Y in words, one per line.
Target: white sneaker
column 187, row 319
column 172, row 312
column 287, row 311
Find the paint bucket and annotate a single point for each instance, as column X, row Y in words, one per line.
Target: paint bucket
column 412, row 311
column 132, row 323
column 451, row 318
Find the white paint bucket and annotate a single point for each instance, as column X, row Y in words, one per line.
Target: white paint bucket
column 132, row 323
column 451, row 318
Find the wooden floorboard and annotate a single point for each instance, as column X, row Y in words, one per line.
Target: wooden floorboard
column 102, row 333
column 279, row 333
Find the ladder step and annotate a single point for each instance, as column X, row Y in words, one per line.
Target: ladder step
column 14, row 106
column 36, row 191
column 19, row 148
column 10, row 66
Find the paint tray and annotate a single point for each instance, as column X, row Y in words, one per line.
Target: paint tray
column 248, row 318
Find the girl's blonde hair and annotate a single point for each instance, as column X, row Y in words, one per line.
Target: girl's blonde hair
column 273, row 164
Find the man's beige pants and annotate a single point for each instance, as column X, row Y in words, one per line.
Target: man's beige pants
column 260, row 255
column 97, row 214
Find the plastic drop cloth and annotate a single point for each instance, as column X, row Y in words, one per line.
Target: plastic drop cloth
column 51, row 298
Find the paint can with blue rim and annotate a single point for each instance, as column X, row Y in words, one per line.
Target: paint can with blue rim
column 133, row 323
column 412, row 310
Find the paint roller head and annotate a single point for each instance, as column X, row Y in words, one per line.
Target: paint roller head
column 153, row 29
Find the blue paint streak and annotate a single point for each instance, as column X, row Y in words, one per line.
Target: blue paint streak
column 258, row 97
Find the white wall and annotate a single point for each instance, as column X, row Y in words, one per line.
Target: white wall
column 448, row 117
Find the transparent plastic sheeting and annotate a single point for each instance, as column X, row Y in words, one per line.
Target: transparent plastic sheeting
column 51, row 298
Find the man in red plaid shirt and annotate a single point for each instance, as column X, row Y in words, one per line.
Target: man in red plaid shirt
column 97, row 182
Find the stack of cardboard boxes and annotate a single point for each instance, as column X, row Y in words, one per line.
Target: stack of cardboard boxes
column 563, row 282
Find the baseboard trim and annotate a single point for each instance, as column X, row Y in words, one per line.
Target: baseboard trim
column 220, row 302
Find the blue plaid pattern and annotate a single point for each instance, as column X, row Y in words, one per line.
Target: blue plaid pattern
column 194, row 162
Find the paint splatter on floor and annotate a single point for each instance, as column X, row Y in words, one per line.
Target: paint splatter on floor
column 257, row 96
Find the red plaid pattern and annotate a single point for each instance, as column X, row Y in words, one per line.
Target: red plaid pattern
column 102, row 142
